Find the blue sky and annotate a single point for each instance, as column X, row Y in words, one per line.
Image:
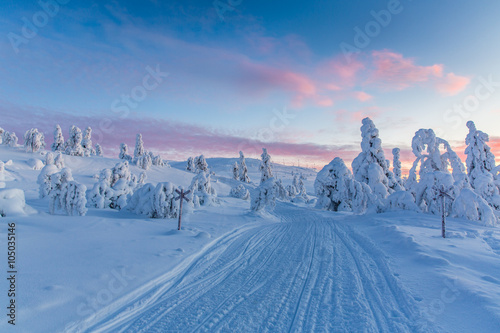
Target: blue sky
column 229, row 78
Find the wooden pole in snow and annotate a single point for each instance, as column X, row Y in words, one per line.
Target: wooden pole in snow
column 181, row 197
column 443, row 194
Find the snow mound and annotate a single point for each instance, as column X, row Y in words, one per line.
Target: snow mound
column 12, row 203
column 35, row 164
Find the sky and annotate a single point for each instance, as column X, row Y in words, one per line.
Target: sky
column 216, row 77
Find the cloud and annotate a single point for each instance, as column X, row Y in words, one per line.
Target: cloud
column 452, row 84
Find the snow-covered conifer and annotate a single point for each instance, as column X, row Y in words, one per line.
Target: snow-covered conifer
column 59, row 161
column 281, row 191
column 124, row 155
column 338, row 191
column 2, row 131
column 201, row 164
column 66, row 194
column 243, row 169
column 265, row 166
column 396, row 166
column 264, row 196
column 74, row 142
column 370, row 166
column 87, row 142
column 58, row 144
column 33, row 140
column 202, row 191
column 190, row 165
column 44, row 178
column 139, row 146
column 155, row 202
column 12, row 139
column 144, row 161
column 98, row 149
column 236, row 171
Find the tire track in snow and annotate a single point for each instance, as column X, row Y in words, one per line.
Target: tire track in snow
column 305, row 274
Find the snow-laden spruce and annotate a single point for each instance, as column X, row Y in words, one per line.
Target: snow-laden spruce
column 139, row 146
column 240, row 192
column 201, row 164
column 9, row 139
column 98, row 150
column 396, row 166
column 155, row 202
column 88, row 150
column 202, row 191
column 264, row 196
column 74, row 143
column 44, row 178
column 243, row 169
column 33, row 140
column 58, row 144
column 481, row 166
column 370, row 166
column 337, row 190
column 66, row 194
column 190, row 165
column 113, row 187
column 124, row 155
column 236, row 171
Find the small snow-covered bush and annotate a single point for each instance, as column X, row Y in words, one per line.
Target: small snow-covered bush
column 35, row 164
column 155, row 202
column 400, row 200
column 240, row 192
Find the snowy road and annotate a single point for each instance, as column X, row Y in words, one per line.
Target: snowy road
column 305, row 274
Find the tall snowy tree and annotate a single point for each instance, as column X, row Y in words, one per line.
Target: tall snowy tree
column 34, row 140
column 74, row 142
column 201, row 164
column 236, row 170
column 264, row 196
column 396, row 166
column 98, row 149
column 265, row 166
column 124, row 155
column 139, row 146
column 370, row 166
column 190, row 165
column 87, row 142
column 58, row 144
column 243, row 169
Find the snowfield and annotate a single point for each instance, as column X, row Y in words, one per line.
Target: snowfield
column 297, row 270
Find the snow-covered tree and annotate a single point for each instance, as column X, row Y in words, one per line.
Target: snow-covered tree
column 59, row 161
column 113, row 187
column 265, row 166
column 34, row 140
column 11, row 139
column 66, row 194
column 202, row 192
column 264, row 196
column 240, row 192
column 337, row 190
column 396, row 166
column 87, row 142
column 281, row 192
column 98, row 149
column 190, row 165
column 156, row 160
column 58, row 144
column 370, row 166
column 471, row 206
column 236, row 171
column 201, row 164
column 2, row 131
column 432, row 165
column 139, row 146
column 155, row 202
column 481, row 166
column 74, row 142
column 124, row 155
column 44, row 178
column 144, row 161
column 243, row 169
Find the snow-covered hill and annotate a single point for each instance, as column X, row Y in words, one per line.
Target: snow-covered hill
column 299, row 269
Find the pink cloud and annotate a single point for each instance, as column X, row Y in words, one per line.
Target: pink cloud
column 362, row 96
column 452, row 84
column 326, row 102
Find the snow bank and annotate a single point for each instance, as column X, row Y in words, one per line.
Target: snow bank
column 12, row 202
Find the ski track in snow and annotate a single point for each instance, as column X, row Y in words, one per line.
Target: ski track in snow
column 307, row 273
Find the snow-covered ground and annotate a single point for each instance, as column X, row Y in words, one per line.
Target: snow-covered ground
column 300, row 269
